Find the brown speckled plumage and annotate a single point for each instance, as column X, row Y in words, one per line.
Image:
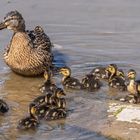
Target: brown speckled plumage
column 29, row 52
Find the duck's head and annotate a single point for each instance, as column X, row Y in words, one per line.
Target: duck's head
column 66, row 71
column 13, row 21
column 59, row 92
column 131, row 74
column 111, row 69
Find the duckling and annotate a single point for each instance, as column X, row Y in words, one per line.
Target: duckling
column 30, row 122
column 50, row 98
column 91, row 82
column 54, row 101
column 54, row 114
column 3, row 106
column 133, row 87
column 116, row 81
column 100, row 72
column 67, row 80
column 48, row 85
column 29, row 52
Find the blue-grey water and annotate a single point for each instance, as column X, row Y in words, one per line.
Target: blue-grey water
column 88, row 33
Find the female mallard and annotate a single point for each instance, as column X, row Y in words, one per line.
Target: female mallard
column 29, row 52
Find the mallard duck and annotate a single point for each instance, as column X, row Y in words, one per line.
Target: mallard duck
column 55, row 113
column 116, row 81
column 91, row 82
column 3, row 106
column 67, row 80
column 134, row 85
column 29, row 53
column 100, row 72
column 30, row 122
column 49, row 101
column 50, row 98
column 133, row 88
column 48, row 85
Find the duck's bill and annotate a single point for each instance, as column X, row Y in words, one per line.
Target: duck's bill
column 2, row 25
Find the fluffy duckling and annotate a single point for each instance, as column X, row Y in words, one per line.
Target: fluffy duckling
column 48, row 85
column 54, row 114
column 91, row 82
column 116, row 81
column 46, row 103
column 67, row 80
column 100, row 72
column 3, row 106
column 49, row 99
column 133, row 88
column 30, row 122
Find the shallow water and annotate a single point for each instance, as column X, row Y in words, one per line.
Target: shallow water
column 90, row 33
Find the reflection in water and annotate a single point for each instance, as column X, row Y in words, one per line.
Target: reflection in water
column 60, row 59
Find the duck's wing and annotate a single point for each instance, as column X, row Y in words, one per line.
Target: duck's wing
column 41, row 45
column 40, row 39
